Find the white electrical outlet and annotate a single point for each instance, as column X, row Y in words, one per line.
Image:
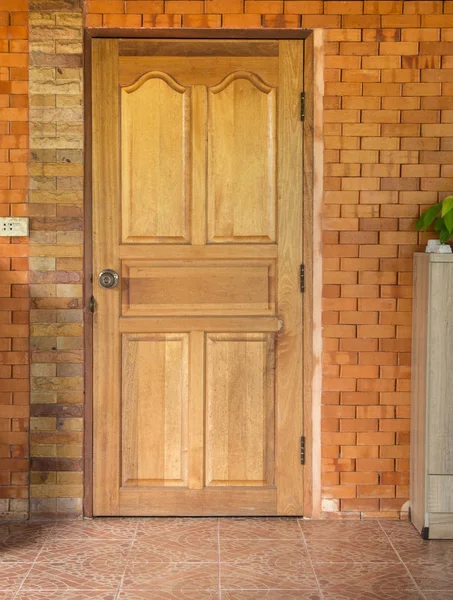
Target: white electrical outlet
column 14, row 226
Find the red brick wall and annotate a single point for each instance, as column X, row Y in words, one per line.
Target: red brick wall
column 14, row 303
column 388, row 127
column 388, row 111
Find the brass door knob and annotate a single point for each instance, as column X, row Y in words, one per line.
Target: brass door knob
column 108, row 278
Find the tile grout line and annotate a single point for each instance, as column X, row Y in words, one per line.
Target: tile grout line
column 417, row 587
column 34, row 562
column 309, row 558
column 118, row 592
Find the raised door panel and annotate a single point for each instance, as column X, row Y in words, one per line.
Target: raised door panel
column 156, row 160
column 240, row 409
column 154, row 409
column 198, row 287
column 242, row 156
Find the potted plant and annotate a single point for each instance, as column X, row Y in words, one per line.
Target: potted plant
column 441, row 214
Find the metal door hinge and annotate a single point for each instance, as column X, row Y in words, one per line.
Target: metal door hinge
column 302, row 450
column 302, row 278
column 92, row 304
column 302, row 106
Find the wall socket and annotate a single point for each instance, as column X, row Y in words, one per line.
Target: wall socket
column 14, row 226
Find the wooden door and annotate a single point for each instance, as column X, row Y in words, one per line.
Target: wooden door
column 197, row 205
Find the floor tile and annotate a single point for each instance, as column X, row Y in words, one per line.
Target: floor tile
column 346, row 531
column 121, row 529
column 438, row 595
column 270, row 551
column 171, row 576
column 70, row 574
column 86, row 550
column 12, row 575
column 284, row 574
column 416, row 549
column 259, row 528
column 7, row 595
column 20, row 550
column 178, row 546
column 432, row 574
column 270, row 595
column 365, row 580
column 174, row 595
column 373, row 550
column 65, row 595
column 169, row 526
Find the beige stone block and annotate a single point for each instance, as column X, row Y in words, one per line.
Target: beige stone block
column 18, row 505
column 56, row 197
column 43, row 343
column 39, row 100
column 68, row 397
column 55, row 87
column 38, row 263
column 69, row 19
column 75, row 101
column 71, row 238
column 69, row 478
column 39, row 478
column 69, row 316
column 43, row 370
column 42, row 450
column 46, row 31
column 68, row 47
column 56, row 251
column 69, row 451
column 69, row 290
column 69, row 343
column 43, row 316
column 37, row 18
column 56, row 169
column 60, row 142
column 43, row 423
column 72, row 156
column 56, row 329
column 43, row 290
column 57, row 383
column 43, row 397
column 71, row 73
column 71, row 424
column 56, row 491
column 43, row 505
column 37, row 74
column 69, row 264
column 42, row 237
column 56, row 115
column 42, row 46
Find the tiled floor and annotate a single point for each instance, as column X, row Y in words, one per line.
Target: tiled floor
column 222, row 559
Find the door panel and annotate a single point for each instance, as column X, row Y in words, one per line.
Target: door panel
column 154, row 409
column 240, row 409
column 197, row 204
column 242, row 186
column 155, row 160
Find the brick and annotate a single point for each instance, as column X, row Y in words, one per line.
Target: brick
column 249, row 20
column 183, row 6
column 359, row 398
column 358, row 425
column 224, row 6
column 375, row 491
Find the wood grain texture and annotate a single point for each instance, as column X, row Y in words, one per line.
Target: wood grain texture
column 193, row 288
column 155, row 409
column 418, row 390
column 197, row 48
column 204, row 325
column 106, row 237
column 156, row 160
column 242, row 155
column 289, row 426
column 440, row 374
column 193, row 70
column 240, row 407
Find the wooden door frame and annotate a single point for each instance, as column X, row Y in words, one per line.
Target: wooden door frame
column 312, row 251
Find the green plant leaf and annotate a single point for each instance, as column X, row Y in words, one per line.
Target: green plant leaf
column 428, row 216
column 438, row 224
column 447, row 205
column 448, row 221
column 444, row 235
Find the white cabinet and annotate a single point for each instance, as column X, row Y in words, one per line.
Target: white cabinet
column 432, row 396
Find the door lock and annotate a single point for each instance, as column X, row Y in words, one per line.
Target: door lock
column 108, row 278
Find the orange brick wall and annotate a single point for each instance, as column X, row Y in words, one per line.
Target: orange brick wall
column 14, row 303
column 388, row 112
column 388, row 135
